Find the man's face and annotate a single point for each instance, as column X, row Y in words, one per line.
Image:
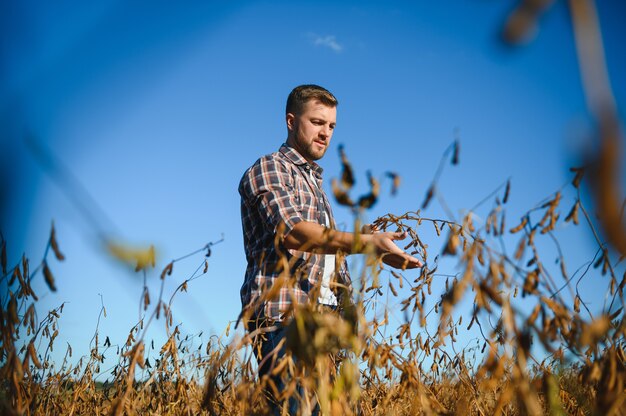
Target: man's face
column 310, row 131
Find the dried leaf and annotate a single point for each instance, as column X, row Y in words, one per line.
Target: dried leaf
column 455, row 152
column 429, row 195
column 3, row 257
column 393, row 289
column 14, row 319
column 534, row 315
column 347, row 174
column 54, row 245
column 599, row 261
column 530, row 283
column 33, row 354
column 146, row 299
column 521, row 247
column 395, row 178
column 452, row 244
column 594, row 331
column 437, row 230
column 340, row 195
column 49, row 278
column 167, row 270
column 367, row 201
column 520, row 226
column 507, row 190
column 580, row 172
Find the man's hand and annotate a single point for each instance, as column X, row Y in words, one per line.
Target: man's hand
column 391, row 254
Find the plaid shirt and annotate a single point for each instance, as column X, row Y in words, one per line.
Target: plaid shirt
column 276, row 194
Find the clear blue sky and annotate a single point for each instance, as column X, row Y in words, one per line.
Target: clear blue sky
column 158, row 109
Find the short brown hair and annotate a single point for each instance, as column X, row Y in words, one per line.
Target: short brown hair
column 304, row 93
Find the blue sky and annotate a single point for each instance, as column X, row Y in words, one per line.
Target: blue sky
column 158, row 109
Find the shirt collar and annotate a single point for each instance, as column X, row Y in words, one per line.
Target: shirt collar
column 299, row 160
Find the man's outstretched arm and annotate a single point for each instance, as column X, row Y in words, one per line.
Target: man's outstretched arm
column 310, row 236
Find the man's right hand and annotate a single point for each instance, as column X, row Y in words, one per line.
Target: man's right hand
column 391, row 254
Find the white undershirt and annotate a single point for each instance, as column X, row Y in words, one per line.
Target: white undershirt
column 326, row 297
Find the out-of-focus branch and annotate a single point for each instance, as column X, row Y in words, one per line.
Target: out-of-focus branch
column 605, row 164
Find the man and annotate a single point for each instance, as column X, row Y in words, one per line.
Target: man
column 289, row 232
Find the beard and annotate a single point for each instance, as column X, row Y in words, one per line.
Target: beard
column 309, row 148
column 312, row 151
